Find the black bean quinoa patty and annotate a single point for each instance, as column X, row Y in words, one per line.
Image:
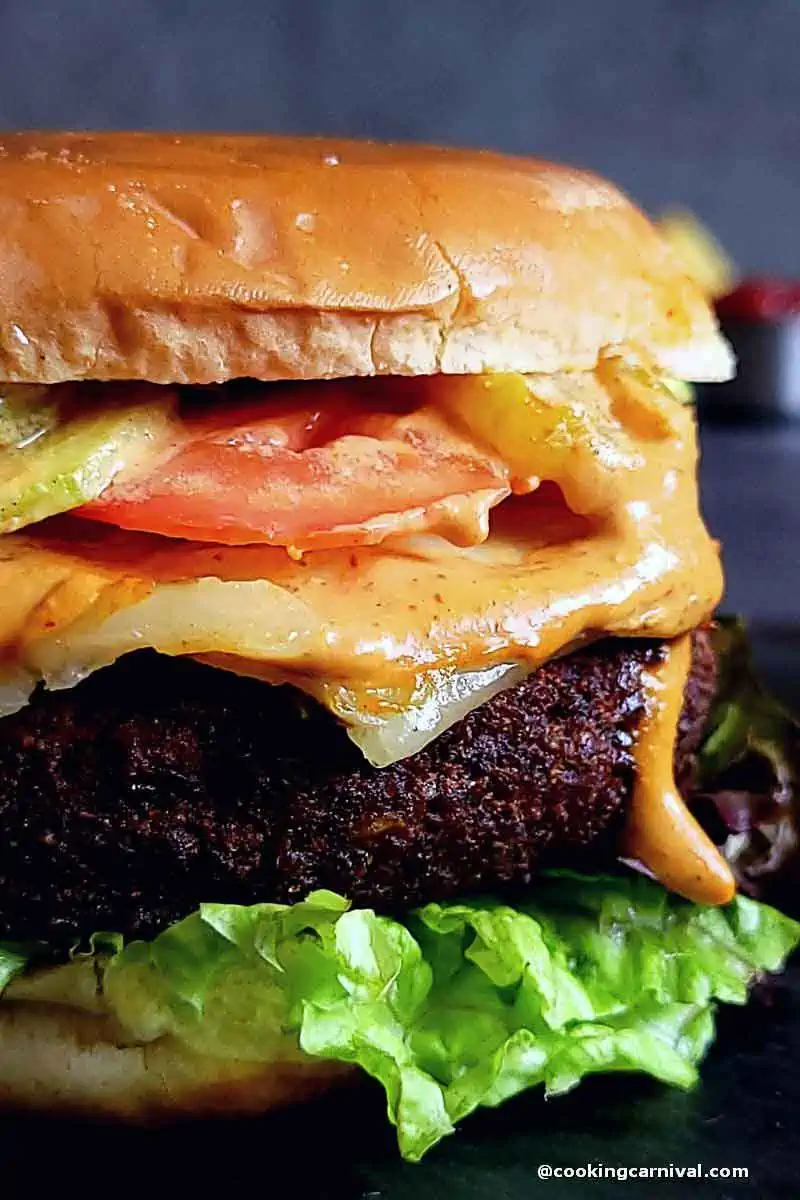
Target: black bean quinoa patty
column 159, row 783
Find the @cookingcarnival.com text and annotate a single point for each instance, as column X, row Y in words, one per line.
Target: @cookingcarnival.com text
column 625, row 1171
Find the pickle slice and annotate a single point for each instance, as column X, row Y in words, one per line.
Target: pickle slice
column 62, row 446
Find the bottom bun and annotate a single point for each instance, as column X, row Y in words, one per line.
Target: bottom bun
column 54, row 1059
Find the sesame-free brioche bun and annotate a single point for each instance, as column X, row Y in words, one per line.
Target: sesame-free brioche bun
column 194, row 259
column 62, row 1060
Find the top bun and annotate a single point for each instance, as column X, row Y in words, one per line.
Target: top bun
column 194, row 259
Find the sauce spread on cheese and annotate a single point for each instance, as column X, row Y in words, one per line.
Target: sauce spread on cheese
column 660, row 831
column 374, row 617
column 609, row 541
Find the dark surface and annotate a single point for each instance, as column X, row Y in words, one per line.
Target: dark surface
column 743, row 1114
column 681, row 101
column 159, row 784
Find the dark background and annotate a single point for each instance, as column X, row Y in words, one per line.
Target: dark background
column 689, row 101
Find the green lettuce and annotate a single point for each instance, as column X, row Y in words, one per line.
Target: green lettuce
column 745, row 718
column 749, row 769
column 14, row 959
column 460, row 1006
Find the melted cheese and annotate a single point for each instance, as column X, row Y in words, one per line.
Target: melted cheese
column 660, row 832
column 611, row 543
column 371, row 619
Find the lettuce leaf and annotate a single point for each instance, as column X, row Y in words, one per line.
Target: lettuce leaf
column 749, row 774
column 462, row 1005
column 14, row 959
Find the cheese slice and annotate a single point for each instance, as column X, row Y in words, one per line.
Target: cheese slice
column 365, row 629
column 401, row 639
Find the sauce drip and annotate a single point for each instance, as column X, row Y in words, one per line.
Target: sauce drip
column 610, row 543
column 661, row 833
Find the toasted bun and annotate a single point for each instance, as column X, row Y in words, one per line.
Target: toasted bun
column 194, row 259
column 61, row 1060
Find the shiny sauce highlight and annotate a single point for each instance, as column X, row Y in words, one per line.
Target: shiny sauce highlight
column 607, row 542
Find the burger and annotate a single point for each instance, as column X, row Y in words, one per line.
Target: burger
column 362, row 704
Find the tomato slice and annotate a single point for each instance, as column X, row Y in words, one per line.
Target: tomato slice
column 306, row 466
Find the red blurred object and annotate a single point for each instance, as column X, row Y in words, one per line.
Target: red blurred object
column 760, row 298
column 761, row 320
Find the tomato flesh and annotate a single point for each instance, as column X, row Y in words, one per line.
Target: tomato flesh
column 314, row 465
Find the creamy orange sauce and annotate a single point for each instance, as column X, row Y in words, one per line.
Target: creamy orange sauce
column 370, row 619
column 660, row 832
column 462, row 520
column 610, row 542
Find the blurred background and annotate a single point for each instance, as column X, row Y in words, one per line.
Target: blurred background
column 694, row 103
column 690, row 101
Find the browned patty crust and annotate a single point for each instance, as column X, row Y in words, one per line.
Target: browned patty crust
column 159, row 783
